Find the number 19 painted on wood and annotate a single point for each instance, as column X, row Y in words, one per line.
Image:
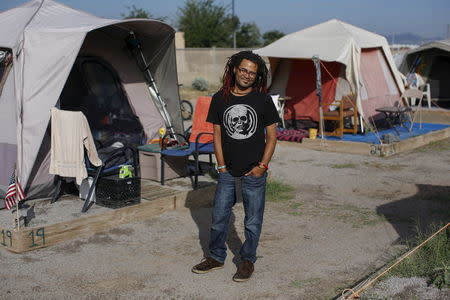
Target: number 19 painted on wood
column 6, row 238
column 35, row 234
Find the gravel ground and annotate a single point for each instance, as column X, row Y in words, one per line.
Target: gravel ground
column 406, row 288
column 349, row 216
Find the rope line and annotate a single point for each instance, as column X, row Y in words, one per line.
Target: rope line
column 356, row 294
column 377, row 133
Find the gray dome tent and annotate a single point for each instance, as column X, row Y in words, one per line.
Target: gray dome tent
column 432, row 62
column 45, row 40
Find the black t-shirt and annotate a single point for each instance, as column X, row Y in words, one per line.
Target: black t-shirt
column 242, row 120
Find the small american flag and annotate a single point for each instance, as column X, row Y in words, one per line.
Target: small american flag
column 15, row 192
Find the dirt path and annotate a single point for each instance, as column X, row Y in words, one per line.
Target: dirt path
column 349, row 215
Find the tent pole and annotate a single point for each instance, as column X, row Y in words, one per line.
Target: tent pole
column 134, row 44
column 316, row 61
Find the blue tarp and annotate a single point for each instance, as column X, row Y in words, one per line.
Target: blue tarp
column 400, row 132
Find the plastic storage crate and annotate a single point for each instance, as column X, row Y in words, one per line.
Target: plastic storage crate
column 114, row 192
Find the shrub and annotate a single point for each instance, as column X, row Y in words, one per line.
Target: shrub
column 200, row 84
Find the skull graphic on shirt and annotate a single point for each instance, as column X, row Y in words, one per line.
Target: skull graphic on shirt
column 240, row 121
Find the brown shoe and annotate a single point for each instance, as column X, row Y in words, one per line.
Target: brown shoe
column 244, row 271
column 208, row 264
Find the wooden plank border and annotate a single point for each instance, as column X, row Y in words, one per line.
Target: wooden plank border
column 31, row 238
column 384, row 150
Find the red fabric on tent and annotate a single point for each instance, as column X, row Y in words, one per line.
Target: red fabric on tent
column 301, row 87
column 374, row 80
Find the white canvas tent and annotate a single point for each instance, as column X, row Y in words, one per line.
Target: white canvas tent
column 354, row 60
column 432, row 62
column 46, row 39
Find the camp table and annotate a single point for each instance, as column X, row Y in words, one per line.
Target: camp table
column 394, row 115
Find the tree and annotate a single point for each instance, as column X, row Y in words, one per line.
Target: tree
column 248, row 36
column 271, row 36
column 205, row 24
column 140, row 13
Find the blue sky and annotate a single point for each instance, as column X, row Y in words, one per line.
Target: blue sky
column 427, row 18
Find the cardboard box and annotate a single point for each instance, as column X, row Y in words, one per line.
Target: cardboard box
column 150, row 165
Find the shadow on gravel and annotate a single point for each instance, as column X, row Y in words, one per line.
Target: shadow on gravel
column 431, row 205
column 202, row 217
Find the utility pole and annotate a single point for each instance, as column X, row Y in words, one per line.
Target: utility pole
column 234, row 26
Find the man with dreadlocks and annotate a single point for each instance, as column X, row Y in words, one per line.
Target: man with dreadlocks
column 245, row 120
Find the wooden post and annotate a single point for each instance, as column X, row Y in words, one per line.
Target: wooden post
column 17, row 214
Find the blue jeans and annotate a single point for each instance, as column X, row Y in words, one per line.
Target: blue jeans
column 253, row 191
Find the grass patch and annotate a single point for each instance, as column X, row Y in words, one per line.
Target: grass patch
column 396, row 167
column 303, row 160
column 300, row 284
column 296, row 205
column 432, row 261
column 344, row 166
column 357, row 216
column 393, row 167
column 443, row 145
column 375, row 165
column 295, row 213
column 277, row 191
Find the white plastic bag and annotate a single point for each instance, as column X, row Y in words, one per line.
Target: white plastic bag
column 84, row 189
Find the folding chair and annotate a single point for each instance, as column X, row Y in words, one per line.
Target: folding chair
column 200, row 140
column 425, row 88
column 414, row 93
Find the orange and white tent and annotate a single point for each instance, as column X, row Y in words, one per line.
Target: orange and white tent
column 353, row 60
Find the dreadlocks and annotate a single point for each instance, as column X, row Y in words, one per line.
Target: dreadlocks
column 229, row 78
